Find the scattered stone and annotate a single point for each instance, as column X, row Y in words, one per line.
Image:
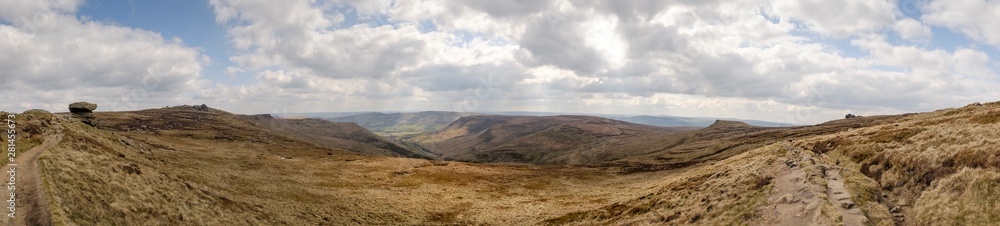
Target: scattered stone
column 126, row 142
column 787, row 198
column 790, row 163
column 813, row 205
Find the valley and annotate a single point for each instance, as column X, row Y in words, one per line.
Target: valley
column 189, row 165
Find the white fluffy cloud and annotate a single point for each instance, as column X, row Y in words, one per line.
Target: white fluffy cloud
column 634, row 56
column 50, row 58
column 911, row 29
column 839, row 18
column 974, row 18
column 755, row 59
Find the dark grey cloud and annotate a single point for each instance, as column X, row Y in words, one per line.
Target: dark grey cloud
column 511, row 8
column 557, row 40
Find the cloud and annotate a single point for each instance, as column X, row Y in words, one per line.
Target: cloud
column 50, row 58
column 300, row 36
column 839, row 19
column 974, row 18
column 911, row 29
column 571, row 54
column 757, row 58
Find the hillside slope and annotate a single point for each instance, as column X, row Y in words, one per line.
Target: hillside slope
column 398, row 124
column 937, row 168
column 689, row 121
column 214, row 124
column 541, row 140
column 183, row 167
column 343, row 135
column 211, row 168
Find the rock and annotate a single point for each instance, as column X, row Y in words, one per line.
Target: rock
column 201, row 107
column 846, row 205
column 84, row 111
column 126, row 142
column 82, row 107
column 813, row 205
column 790, row 163
column 786, row 198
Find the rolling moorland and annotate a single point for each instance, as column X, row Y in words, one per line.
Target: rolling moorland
column 189, row 166
column 402, row 124
column 688, row 121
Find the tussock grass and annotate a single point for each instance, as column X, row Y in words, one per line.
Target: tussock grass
column 95, row 177
column 925, row 164
column 725, row 193
column 139, row 169
column 968, row 197
column 31, row 128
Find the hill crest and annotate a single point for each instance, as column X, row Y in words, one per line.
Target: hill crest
column 728, row 123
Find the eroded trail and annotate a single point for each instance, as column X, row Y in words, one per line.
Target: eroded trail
column 31, row 200
column 838, row 196
column 808, row 191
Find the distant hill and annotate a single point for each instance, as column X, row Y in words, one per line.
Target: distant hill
column 402, row 123
column 213, row 124
column 343, row 135
column 689, row 121
column 602, row 141
column 542, row 139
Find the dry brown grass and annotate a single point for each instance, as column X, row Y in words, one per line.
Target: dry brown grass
column 922, row 163
column 725, row 193
column 96, row 178
column 968, row 197
column 31, row 127
column 214, row 169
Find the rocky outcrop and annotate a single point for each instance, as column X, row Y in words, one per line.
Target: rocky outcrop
column 82, row 107
column 201, row 107
column 84, row 111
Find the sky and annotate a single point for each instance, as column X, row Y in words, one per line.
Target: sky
column 791, row 61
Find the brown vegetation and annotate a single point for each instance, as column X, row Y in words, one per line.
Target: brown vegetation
column 207, row 167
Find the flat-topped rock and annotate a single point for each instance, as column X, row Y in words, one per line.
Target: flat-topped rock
column 82, row 107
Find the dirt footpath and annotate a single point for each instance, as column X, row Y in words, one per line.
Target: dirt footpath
column 799, row 195
column 31, row 200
